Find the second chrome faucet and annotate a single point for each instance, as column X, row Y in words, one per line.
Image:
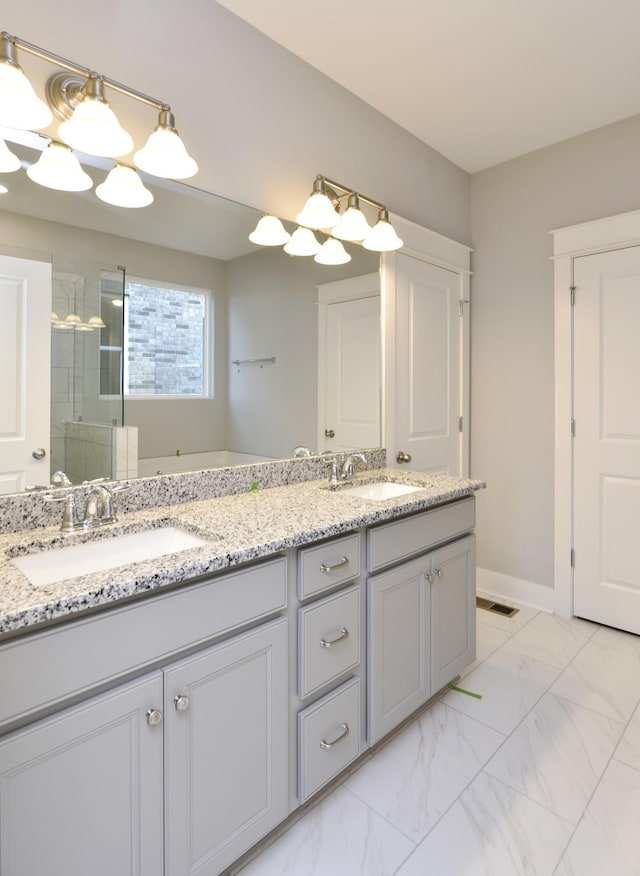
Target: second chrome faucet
column 342, row 468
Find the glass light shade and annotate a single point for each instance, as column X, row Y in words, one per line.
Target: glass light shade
column 93, row 128
column 383, row 237
column 303, row 243
column 352, row 225
column 270, row 232
column 84, row 327
column 72, row 319
column 124, row 188
column 9, row 161
column 318, row 212
column 165, row 155
column 20, row 107
column 58, row 168
column 96, row 322
column 332, row 253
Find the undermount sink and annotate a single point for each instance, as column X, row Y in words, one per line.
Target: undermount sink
column 60, row 564
column 381, row 490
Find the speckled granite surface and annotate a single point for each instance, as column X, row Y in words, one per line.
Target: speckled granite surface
column 238, row 528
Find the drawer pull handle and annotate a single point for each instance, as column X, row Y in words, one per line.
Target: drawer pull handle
column 344, row 732
column 329, row 643
column 343, row 562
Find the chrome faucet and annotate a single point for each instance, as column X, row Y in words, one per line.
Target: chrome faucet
column 342, row 468
column 99, row 508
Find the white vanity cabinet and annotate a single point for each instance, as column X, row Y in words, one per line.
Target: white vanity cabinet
column 420, row 612
column 328, row 706
column 180, row 771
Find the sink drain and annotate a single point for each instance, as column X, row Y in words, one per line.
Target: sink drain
column 497, row 607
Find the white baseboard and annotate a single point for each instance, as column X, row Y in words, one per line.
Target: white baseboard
column 504, row 588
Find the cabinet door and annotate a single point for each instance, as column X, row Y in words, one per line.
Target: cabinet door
column 398, row 673
column 226, row 750
column 81, row 792
column 453, row 601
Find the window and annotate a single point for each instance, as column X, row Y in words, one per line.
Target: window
column 166, row 342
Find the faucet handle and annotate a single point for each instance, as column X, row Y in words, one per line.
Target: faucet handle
column 69, row 516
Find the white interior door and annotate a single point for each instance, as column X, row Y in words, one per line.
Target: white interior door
column 25, row 352
column 349, row 364
column 427, row 366
column 606, row 500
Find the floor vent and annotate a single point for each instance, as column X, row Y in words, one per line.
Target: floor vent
column 497, row 607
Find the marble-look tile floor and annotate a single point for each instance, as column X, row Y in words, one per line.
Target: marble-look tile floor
column 541, row 776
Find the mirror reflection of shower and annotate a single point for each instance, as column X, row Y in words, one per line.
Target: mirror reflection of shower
column 88, row 439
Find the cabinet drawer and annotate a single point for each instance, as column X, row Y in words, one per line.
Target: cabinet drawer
column 404, row 538
column 328, row 737
column 328, row 564
column 328, row 639
column 70, row 659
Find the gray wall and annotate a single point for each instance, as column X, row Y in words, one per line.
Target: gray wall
column 513, row 208
column 260, row 122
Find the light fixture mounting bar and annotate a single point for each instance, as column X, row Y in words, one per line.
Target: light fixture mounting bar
column 45, row 55
column 349, row 191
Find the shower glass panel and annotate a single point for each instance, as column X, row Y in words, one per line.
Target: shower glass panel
column 86, row 369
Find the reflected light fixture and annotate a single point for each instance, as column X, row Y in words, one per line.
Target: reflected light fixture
column 58, row 168
column 9, row 161
column 303, row 243
column 269, row 232
column 77, row 98
column 332, row 252
column 124, row 188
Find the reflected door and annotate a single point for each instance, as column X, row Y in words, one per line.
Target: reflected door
column 607, row 438
column 349, row 364
column 25, row 350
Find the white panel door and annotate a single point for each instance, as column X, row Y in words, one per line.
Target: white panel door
column 25, row 352
column 607, row 438
column 428, row 367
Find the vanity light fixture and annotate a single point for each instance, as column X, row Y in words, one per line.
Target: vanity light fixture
column 124, row 188
column 321, row 212
column 270, row 232
column 58, row 168
column 88, row 124
column 9, row 161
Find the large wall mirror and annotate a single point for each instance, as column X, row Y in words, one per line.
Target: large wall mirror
column 293, row 351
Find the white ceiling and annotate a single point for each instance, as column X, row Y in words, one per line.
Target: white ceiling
column 481, row 81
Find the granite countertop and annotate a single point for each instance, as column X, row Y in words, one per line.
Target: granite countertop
column 238, row 529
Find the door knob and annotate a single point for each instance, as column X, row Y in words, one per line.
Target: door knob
column 329, row 433
column 403, row 457
column 181, row 702
column 154, row 717
column 39, row 453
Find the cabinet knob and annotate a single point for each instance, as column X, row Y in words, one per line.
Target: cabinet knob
column 429, row 577
column 342, row 635
column 439, row 573
column 181, row 702
column 154, row 717
column 344, row 732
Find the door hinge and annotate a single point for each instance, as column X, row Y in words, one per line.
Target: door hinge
column 573, row 558
column 460, row 424
column 573, row 428
column 461, row 304
column 572, row 291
